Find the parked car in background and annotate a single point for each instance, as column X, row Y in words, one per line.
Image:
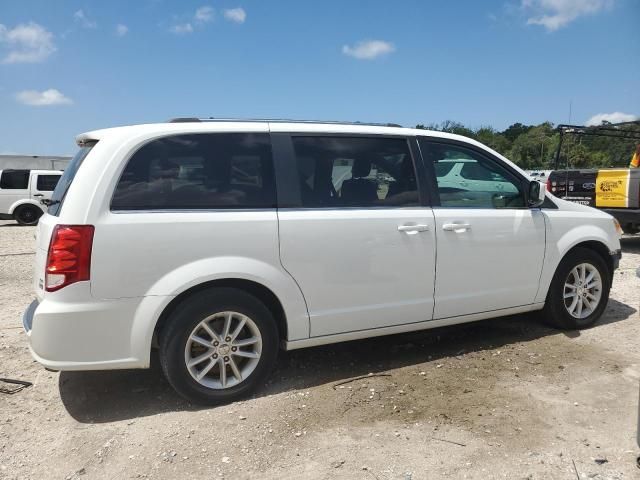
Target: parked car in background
column 21, row 193
column 465, row 177
column 540, row 175
column 613, row 190
column 219, row 242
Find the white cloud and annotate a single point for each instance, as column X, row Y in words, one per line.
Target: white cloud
column 369, row 49
column 27, row 43
column 614, row 117
column 204, row 14
column 181, row 28
column 82, row 19
column 121, row 30
column 200, row 17
column 237, row 15
column 555, row 14
column 43, row 99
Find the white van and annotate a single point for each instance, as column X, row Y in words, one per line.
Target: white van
column 220, row 241
column 21, row 193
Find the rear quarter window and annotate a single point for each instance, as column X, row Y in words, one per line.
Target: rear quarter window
column 199, row 171
column 60, row 191
column 14, row 180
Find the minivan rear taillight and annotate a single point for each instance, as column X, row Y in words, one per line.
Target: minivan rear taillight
column 69, row 256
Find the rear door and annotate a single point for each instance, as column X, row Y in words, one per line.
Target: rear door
column 42, row 185
column 490, row 245
column 356, row 231
column 184, row 200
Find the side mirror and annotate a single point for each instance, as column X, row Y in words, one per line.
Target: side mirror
column 537, row 193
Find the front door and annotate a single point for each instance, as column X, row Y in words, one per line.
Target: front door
column 360, row 242
column 490, row 245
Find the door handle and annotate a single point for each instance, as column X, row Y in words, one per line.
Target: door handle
column 38, row 195
column 456, row 227
column 413, row 229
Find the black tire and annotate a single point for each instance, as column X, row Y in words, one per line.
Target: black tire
column 27, row 214
column 555, row 312
column 187, row 315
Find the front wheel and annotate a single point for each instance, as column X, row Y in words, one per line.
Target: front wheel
column 218, row 345
column 579, row 291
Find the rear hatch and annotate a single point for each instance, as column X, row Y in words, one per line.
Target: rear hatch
column 50, row 219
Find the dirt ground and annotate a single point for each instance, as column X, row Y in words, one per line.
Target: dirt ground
column 505, row 398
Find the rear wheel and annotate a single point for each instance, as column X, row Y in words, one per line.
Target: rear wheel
column 218, row 346
column 27, row 214
column 579, row 291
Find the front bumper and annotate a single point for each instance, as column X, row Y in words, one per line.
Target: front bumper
column 615, row 258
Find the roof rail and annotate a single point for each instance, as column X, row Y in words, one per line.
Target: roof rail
column 184, row 120
column 278, row 120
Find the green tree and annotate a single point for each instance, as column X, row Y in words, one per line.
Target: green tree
column 534, row 146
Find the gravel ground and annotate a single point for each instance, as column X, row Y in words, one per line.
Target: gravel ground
column 504, row 398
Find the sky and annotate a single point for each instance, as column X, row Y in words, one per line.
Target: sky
column 70, row 66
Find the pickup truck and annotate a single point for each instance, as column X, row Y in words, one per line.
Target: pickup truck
column 613, row 190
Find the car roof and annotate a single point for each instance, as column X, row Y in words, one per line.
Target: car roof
column 197, row 126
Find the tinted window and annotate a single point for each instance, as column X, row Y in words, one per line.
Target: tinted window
column 442, row 168
column 473, row 180
column 57, row 197
column 355, row 172
column 199, row 171
column 14, row 179
column 47, row 183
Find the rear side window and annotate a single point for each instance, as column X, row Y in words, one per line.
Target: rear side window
column 47, row 183
column 355, row 172
column 14, row 179
column 57, row 197
column 199, row 171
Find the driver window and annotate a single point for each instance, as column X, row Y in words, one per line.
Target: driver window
column 467, row 179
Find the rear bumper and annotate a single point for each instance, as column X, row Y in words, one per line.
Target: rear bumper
column 82, row 336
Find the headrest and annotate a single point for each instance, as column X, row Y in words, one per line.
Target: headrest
column 361, row 168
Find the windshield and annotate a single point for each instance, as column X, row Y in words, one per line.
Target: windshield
column 67, row 177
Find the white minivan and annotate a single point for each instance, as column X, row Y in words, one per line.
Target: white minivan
column 22, row 192
column 219, row 242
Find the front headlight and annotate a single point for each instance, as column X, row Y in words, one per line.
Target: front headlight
column 617, row 226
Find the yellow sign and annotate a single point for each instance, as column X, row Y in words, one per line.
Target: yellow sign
column 612, row 188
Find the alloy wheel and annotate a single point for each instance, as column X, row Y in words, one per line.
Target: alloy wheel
column 223, row 350
column 582, row 290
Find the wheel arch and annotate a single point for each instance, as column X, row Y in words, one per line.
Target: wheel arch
column 584, row 236
column 596, row 246
column 258, row 290
column 20, row 203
